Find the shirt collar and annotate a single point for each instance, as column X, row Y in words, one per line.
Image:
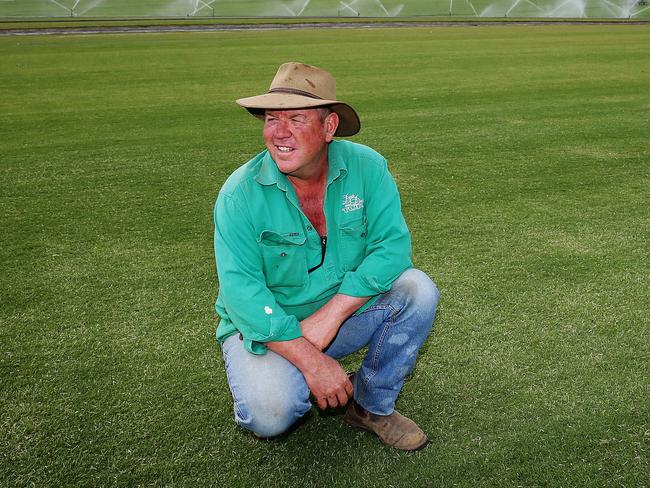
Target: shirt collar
column 336, row 161
column 269, row 174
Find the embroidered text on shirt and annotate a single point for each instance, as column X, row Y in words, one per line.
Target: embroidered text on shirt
column 351, row 203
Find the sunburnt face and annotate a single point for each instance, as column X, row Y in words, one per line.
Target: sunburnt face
column 297, row 140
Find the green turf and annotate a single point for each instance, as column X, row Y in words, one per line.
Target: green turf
column 324, row 8
column 523, row 160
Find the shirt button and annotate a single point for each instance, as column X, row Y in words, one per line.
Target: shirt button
column 309, row 228
column 284, row 254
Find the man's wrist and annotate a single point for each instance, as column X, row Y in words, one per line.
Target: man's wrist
column 300, row 352
column 339, row 308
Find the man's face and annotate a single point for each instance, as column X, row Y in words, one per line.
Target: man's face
column 297, row 140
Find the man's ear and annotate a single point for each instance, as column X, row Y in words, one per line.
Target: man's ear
column 331, row 124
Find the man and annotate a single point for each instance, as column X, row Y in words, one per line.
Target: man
column 313, row 260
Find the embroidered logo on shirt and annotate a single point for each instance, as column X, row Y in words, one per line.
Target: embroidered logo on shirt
column 351, row 203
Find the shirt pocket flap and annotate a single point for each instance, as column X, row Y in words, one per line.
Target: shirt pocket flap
column 271, row 238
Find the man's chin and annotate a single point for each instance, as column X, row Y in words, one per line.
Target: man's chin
column 287, row 172
column 286, row 167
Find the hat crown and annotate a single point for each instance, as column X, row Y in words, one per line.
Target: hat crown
column 304, row 79
column 299, row 86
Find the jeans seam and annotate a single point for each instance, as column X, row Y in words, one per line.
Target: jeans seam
column 239, row 414
column 373, row 363
column 372, row 308
column 380, row 342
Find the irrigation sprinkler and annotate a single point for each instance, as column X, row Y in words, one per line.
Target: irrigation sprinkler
column 287, row 8
column 579, row 5
column 534, row 5
column 303, row 8
column 88, row 6
column 383, row 8
column 564, row 8
column 203, row 5
column 469, row 2
column 350, row 8
column 380, row 8
column 71, row 10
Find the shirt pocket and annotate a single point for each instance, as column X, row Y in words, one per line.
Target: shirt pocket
column 285, row 261
column 353, row 240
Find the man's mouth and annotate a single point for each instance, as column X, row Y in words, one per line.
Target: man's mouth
column 284, row 149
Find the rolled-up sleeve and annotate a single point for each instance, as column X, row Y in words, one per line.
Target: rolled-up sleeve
column 249, row 304
column 388, row 250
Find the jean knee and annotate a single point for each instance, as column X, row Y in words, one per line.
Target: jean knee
column 269, row 415
column 420, row 289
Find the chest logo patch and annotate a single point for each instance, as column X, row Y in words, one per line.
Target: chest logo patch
column 351, row 203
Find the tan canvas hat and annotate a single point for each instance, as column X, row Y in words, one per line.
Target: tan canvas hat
column 298, row 85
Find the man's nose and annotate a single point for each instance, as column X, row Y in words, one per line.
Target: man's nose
column 282, row 129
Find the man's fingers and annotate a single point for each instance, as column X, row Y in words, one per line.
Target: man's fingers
column 322, row 403
column 338, row 399
column 334, row 392
column 343, row 395
column 333, row 401
column 343, row 398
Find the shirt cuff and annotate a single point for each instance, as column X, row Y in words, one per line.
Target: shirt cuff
column 280, row 329
column 356, row 284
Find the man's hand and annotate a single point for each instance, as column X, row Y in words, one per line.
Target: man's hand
column 329, row 384
column 325, row 378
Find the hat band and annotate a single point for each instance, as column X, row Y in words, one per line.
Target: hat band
column 294, row 91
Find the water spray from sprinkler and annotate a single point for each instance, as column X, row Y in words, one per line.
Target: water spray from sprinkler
column 198, row 8
column 71, row 10
column 349, row 8
column 303, row 8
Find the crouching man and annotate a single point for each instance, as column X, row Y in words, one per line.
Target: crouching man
column 313, row 261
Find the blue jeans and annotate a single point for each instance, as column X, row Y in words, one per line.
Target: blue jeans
column 270, row 394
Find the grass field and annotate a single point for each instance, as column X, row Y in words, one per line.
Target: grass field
column 522, row 156
column 325, row 8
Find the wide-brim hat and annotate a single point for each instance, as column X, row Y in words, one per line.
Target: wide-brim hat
column 299, row 85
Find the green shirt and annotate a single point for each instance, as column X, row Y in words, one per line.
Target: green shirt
column 265, row 245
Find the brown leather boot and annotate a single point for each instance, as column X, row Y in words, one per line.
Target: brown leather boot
column 394, row 429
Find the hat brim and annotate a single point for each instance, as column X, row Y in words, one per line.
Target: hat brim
column 349, row 123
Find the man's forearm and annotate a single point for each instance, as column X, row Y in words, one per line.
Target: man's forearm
column 321, row 327
column 300, row 352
